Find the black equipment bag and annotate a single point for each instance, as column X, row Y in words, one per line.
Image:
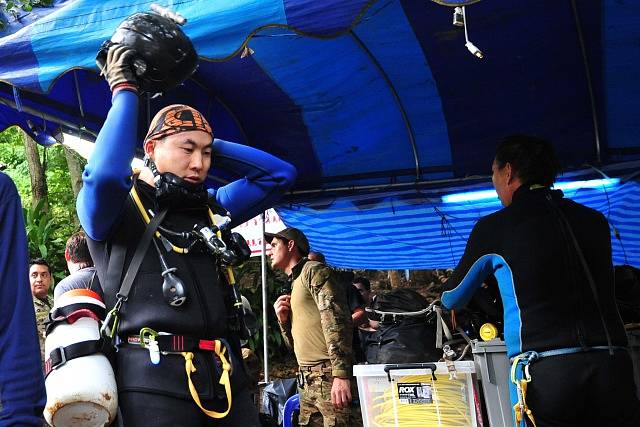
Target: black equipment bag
column 627, row 279
column 401, row 338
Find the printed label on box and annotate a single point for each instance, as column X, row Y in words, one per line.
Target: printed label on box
column 412, row 393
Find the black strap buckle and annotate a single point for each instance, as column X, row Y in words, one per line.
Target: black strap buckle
column 63, row 358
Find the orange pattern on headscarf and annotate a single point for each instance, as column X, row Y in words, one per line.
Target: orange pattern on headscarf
column 175, row 119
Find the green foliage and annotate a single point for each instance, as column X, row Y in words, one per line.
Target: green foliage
column 12, row 8
column 250, row 277
column 13, row 156
column 39, row 225
column 47, row 231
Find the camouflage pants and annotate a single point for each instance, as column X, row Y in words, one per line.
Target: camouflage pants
column 316, row 409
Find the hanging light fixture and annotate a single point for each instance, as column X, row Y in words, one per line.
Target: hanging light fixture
column 458, row 17
column 460, row 20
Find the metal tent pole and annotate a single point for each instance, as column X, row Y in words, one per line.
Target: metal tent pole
column 265, row 322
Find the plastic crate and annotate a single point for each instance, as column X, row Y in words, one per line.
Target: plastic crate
column 493, row 372
column 407, row 395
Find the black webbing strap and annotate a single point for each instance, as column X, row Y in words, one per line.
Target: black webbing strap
column 172, row 343
column 110, row 324
column 60, row 314
column 115, row 267
column 586, row 269
column 138, row 256
column 61, row 355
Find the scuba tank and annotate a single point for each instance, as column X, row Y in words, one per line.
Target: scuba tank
column 81, row 386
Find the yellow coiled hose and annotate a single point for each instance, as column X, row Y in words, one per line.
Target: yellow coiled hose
column 450, row 406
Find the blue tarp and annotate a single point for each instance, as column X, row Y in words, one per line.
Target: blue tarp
column 418, row 230
column 360, row 94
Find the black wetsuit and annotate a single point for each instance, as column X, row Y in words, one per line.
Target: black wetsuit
column 549, row 305
column 158, row 395
column 204, row 315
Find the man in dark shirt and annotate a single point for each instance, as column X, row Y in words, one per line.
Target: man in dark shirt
column 552, row 260
column 80, row 264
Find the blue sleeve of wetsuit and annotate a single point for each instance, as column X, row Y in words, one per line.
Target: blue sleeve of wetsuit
column 107, row 176
column 265, row 179
column 475, row 265
column 22, row 391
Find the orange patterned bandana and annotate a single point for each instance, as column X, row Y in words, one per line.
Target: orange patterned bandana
column 175, row 119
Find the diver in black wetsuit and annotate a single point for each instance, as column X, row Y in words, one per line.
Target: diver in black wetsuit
column 552, row 259
column 179, row 359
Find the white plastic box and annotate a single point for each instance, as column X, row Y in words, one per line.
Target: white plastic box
column 406, row 395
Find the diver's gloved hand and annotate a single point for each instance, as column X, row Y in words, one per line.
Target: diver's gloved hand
column 116, row 64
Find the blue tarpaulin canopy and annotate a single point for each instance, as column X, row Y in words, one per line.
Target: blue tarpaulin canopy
column 378, row 104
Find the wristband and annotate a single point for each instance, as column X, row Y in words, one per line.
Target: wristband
column 124, row 86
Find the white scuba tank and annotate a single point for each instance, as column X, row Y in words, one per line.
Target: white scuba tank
column 81, row 392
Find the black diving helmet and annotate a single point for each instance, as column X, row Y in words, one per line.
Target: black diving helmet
column 165, row 55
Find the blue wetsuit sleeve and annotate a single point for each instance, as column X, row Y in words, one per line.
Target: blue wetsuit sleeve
column 265, row 179
column 107, row 176
column 22, row 390
column 474, row 267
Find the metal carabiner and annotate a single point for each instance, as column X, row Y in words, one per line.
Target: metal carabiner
column 527, row 376
column 107, row 330
column 149, row 335
column 110, row 324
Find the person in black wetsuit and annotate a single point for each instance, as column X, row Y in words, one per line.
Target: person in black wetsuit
column 174, row 343
column 552, row 260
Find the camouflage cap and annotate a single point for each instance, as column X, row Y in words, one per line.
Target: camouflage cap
column 294, row 234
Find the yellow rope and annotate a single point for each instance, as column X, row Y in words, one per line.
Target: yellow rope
column 521, row 384
column 224, row 380
column 220, row 349
column 177, row 249
column 147, row 220
column 450, row 406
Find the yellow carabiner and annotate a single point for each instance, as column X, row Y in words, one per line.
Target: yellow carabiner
column 110, row 324
column 148, row 341
column 147, row 333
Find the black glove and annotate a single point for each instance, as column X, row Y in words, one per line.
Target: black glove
column 116, row 65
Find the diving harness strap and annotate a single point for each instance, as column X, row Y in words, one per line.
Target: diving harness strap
column 162, row 343
column 111, row 322
column 521, row 377
column 110, row 325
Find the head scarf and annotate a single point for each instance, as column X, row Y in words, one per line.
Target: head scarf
column 175, row 119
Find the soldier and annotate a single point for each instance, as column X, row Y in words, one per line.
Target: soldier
column 355, row 302
column 316, row 322
column 40, row 279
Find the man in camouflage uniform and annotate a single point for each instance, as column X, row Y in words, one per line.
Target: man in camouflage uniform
column 40, row 279
column 316, row 322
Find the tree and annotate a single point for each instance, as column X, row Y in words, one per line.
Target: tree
column 39, row 189
column 48, row 231
column 76, row 166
